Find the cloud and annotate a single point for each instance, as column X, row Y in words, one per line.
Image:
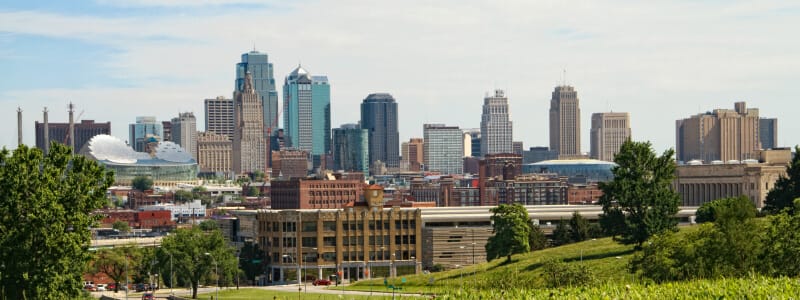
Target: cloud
column 180, row 3
column 659, row 61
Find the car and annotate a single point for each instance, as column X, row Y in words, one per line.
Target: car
column 89, row 287
column 101, row 287
column 148, row 296
column 322, row 282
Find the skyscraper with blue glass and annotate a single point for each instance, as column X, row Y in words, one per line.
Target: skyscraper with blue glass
column 145, row 130
column 307, row 112
column 257, row 63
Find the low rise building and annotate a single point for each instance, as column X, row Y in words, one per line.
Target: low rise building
column 301, row 193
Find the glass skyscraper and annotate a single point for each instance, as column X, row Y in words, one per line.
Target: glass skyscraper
column 379, row 118
column 257, row 63
column 444, row 148
column 144, row 129
column 307, row 112
column 351, row 149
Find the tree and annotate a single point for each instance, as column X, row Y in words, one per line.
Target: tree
column 511, row 232
column 183, row 196
column 737, row 208
column 208, row 225
column 561, row 234
column 117, row 263
column 252, row 260
column 142, row 183
column 193, row 253
column 578, row 228
column 253, row 191
column 537, row 240
column 786, row 189
column 46, row 203
column 639, row 202
column 121, row 226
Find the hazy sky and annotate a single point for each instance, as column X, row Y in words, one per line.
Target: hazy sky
column 660, row 61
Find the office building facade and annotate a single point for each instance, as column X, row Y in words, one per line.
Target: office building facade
column 307, row 112
column 214, row 153
column 443, row 148
column 249, row 142
column 413, row 154
column 184, row 132
column 85, row 130
column 145, row 130
column 609, row 131
column 496, row 126
column 768, row 133
column 219, row 116
column 263, row 82
column 722, row 134
column 379, row 118
column 565, row 121
column 351, row 148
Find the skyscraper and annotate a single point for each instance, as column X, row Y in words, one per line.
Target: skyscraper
column 219, row 116
column 143, row 130
column 351, row 148
column 214, row 153
column 184, row 132
column 249, row 142
column 768, row 132
column 307, row 112
column 444, row 149
column 413, row 157
column 496, row 127
column 609, row 131
column 565, row 122
column 259, row 67
column 59, row 132
column 379, row 118
column 723, row 134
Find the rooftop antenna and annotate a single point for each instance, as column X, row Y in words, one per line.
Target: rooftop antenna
column 254, row 47
column 564, row 77
column 19, row 126
column 46, row 131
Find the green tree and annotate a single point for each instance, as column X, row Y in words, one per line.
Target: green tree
column 117, row 263
column 46, row 203
column 208, row 225
column 142, row 183
column 511, row 232
column 561, row 234
column 537, row 239
column 183, row 196
column 193, row 253
column 578, row 228
column 737, row 208
column 782, row 241
column 252, row 260
column 639, row 202
column 253, row 191
column 121, row 226
column 786, row 189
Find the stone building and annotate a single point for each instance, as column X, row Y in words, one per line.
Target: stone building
column 214, row 152
column 723, row 134
column 298, row 193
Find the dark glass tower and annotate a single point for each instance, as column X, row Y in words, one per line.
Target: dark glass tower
column 257, row 63
column 379, row 117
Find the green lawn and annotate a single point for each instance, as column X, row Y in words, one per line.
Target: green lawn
column 252, row 293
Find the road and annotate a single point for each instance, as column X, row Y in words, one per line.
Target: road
column 164, row 293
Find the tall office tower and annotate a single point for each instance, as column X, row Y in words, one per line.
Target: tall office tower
column 144, row 131
column 413, row 157
column 443, row 148
column 351, row 148
column 84, row 131
column 167, row 127
column 565, row 122
column 379, row 118
column 518, row 148
column 723, row 134
column 768, row 133
column 184, row 132
column 219, row 116
column 260, row 69
column 214, row 153
column 609, row 131
column 249, row 142
column 496, row 127
column 472, row 142
column 307, row 112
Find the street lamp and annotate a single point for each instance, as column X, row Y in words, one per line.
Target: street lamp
column 216, row 270
column 582, row 251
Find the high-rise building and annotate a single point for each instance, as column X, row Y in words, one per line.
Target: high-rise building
column 537, row 154
column 565, row 121
column 145, row 130
column 723, row 134
column 413, row 157
column 379, row 118
column 214, row 153
column 249, row 141
column 444, row 149
column 184, row 132
column 518, row 148
column 768, row 133
column 472, row 142
column 219, row 116
column 351, row 148
column 59, row 132
column 289, row 163
column 261, row 71
column 496, row 126
column 307, row 112
column 609, row 131
column 167, row 127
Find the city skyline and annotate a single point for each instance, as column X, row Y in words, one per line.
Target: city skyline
column 123, row 64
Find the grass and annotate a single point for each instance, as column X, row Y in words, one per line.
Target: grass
column 253, row 293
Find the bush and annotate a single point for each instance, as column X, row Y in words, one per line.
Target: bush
column 560, row 274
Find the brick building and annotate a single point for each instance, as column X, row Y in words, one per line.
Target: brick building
column 299, row 193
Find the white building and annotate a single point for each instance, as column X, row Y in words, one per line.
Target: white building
column 190, row 210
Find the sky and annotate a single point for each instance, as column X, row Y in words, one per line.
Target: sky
column 658, row 60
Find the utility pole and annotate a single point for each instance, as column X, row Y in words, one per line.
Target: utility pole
column 19, row 126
